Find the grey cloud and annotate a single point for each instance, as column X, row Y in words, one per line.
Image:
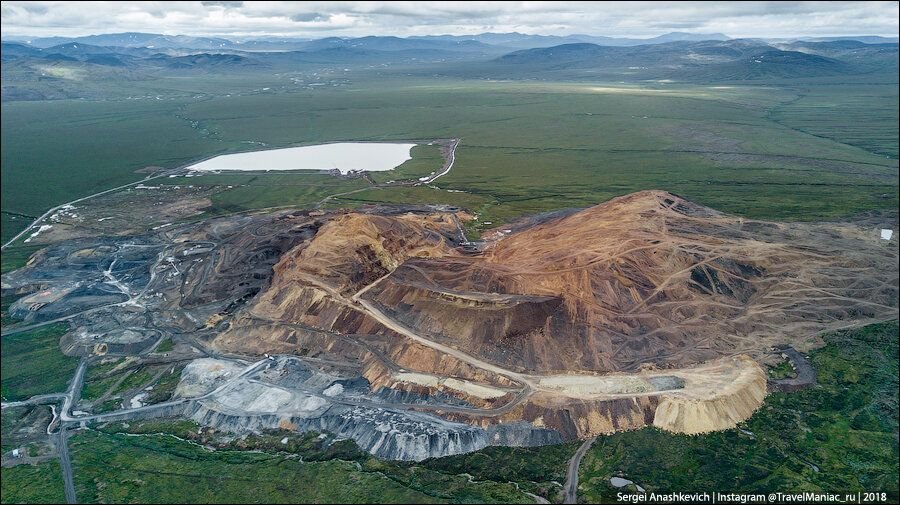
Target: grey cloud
column 684, row 25
column 632, row 19
column 36, row 8
column 441, row 12
column 227, row 5
column 308, row 17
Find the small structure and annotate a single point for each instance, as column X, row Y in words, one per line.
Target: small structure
column 16, row 453
column 886, row 233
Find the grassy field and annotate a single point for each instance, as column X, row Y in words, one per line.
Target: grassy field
column 40, row 483
column 765, row 151
column 165, row 346
column 534, row 148
column 32, row 363
column 16, row 255
column 140, row 377
column 425, row 160
column 11, row 417
column 6, row 318
column 98, row 381
column 56, row 151
column 837, row 437
column 24, row 426
column 862, row 115
column 165, row 386
column 256, row 191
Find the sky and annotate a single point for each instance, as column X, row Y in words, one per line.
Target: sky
column 347, row 19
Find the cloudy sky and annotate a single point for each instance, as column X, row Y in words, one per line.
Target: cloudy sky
column 320, row 19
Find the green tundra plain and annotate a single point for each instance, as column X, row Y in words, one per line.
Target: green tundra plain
column 769, row 151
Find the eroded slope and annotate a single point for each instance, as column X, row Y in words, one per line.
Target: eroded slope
column 644, row 279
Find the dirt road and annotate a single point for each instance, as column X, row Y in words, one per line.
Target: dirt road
column 572, row 473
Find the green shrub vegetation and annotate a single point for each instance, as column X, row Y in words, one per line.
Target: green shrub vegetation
column 165, row 386
column 783, row 370
column 111, row 467
column 6, row 319
column 33, row 364
column 40, row 483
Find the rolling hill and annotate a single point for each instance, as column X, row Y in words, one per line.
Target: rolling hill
column 704, row 61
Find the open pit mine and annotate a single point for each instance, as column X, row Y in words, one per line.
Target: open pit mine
column 387, row 326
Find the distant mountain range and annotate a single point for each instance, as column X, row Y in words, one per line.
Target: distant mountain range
column 504, row 40
column 132, row 39
column 524, row 41
column 30, row 69
column 365, row 50
column 866, row 39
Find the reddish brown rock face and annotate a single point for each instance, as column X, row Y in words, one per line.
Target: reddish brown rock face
column 648, row 280
column 645, row 278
